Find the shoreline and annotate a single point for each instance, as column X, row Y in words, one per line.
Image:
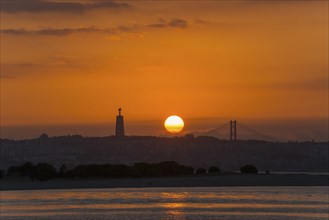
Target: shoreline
column 224, row 180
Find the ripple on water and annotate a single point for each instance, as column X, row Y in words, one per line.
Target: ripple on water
column 225, row 203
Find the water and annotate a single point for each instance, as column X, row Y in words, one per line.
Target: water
column 224, row 203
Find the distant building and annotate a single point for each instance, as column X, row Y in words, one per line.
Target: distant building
column 119, row 126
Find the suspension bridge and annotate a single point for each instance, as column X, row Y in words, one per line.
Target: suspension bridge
column 236, row 130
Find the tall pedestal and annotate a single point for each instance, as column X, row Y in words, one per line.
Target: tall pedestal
column 119, row 126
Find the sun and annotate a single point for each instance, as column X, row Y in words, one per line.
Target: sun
column 174, row 124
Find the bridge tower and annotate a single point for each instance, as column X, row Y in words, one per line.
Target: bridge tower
column 233, row 131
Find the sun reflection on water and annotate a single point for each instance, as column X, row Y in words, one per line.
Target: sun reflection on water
column 167, row 203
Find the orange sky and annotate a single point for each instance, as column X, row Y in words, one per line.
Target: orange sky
column 76, row 62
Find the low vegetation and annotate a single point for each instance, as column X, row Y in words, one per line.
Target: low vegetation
column 214, row 170
column 248, row 169
column 2, row 173
column 45, row 171
column 41, row 171
column 200, row 171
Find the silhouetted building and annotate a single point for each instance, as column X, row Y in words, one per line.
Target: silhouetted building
column 119, row 126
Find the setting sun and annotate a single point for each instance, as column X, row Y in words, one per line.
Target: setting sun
column 174, row 124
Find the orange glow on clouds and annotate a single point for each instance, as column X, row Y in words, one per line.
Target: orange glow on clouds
column 207, row 59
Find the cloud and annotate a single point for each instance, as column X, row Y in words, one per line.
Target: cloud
column 63, row 61
column 64, row 31
column 157, row 25
column 201, row 21
column 176, row 22
column 55, row 62
column 12, row 70
column 179, row 23
column 15, row 6
column 311, row 84
column 316, row 83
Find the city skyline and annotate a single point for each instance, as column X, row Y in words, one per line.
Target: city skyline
column 282, row 130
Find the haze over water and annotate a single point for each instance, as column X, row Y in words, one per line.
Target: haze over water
column 280, row 203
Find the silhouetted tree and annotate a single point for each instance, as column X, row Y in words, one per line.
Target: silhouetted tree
column 133, row 172
column 147, row 170
column 214, row 169
column 248, row 169
column 166, row 168
column 119, row 170
column 26, row 169
column 172, row 168
column 188, row 170
column 13, row 170
column 44, row 172
column 63, row 168
column 91, row 170
column 200, row 171
column 105, row 170
column 62, row 171
column 2, row 174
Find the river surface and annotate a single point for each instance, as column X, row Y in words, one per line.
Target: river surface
column 222, row 203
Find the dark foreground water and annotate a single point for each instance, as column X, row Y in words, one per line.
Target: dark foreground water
column 168, row 203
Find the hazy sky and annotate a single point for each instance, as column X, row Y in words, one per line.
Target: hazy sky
column 75, row 62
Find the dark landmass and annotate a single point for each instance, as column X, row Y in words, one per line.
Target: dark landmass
column 184, row 181
column 45, row 171
column 198, row 152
